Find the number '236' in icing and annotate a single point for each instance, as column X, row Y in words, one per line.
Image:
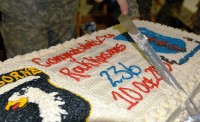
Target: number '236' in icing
column 126, row 73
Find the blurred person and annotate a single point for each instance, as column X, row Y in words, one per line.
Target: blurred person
column 169, row 13
column 196, row 20
column 31, row 25
column 144, row 9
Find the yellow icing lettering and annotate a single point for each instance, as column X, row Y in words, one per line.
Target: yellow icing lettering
column 7, row 79
column 26, row 72
column 34, row 71
column 16, row 75
column 2, row 83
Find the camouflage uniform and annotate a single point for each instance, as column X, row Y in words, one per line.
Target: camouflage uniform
column 144, row 9
column 29, row 25
column 196, row 20
column 133, row 11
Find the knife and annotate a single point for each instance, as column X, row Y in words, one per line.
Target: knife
column 142, row 42
column 154, row 59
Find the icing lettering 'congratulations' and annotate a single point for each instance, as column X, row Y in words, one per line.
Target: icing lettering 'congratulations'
column 133, row 95
column 88, row 63
column 73, row 51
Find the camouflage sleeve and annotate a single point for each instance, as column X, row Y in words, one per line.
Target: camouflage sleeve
column 196, row 20
column 144, row 9
column 29, row 25
column 133, row 9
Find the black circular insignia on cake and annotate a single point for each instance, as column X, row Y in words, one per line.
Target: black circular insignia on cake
column 73, row 108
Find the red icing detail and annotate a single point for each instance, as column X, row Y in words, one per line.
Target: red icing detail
column 132, row 104
column 73, row 51
column 15, row 106
column 154, row 72
column 188, row 39
column 150, row 83
column 168, row 65
column 145, row 87
column 73, row 75
column 164, row 43
column 91, row 62
column 124, row 90
column 35, row 60
column 138, row 85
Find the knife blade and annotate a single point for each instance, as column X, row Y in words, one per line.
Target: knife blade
column 154, row 59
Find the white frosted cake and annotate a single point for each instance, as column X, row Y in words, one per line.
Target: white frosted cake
column 102, row 77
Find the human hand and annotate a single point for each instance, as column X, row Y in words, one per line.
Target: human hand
column 123, row 6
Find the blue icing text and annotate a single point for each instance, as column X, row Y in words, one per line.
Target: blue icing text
column 124, row 73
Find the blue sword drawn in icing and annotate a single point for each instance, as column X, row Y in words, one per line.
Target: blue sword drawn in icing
column 172, row 45
column 178, row 44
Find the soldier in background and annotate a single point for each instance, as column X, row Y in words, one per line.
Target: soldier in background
column 31, row 25
column 36, row 24
column 169, row 11
column 196, row 20
column 145, row 9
